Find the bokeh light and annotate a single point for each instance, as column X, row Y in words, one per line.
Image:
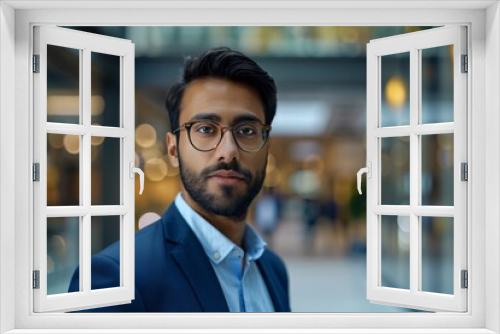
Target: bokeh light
column 145, row 135
column 68, row 105
column 72, row 144
column 147, row 219
column 155, row 169
column 50, row 264
column 305, row 183
column 151, row 153
column 395, row 92
column 59, row 243
column 55, row 140
column 96, row 141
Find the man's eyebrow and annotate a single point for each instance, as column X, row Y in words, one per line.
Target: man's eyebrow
column 246, row 118
column 216, row 118
column 206, row 117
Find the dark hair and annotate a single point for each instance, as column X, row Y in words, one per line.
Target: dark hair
column 223, row 63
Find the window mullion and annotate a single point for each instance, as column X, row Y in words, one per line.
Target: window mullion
column 85, row 253
column 85, row 167
column 415, row 261
column 434, row 129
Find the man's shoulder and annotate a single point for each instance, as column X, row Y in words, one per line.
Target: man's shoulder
column 148, row 239
column 275, row 261
column 270, row 255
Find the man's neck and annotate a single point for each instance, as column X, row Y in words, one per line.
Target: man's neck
column 232, row 228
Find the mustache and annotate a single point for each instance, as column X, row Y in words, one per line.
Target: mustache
column 233, row 166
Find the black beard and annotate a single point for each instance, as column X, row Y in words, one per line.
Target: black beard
column 228, row 204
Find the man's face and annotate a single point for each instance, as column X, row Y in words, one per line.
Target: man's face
column 223, row 181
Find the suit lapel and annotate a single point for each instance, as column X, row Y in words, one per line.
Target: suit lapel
column 194, row 263
column 267, row 273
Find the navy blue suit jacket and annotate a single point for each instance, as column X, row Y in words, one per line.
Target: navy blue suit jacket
column 173, row 273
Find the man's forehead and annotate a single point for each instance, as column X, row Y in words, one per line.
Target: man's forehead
column 232, row 118
column 221, row 100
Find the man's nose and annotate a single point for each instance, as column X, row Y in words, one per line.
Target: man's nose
column 228, row 149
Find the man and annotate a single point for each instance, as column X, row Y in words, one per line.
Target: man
column 202, row 255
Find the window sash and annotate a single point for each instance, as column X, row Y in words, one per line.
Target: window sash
column 413, row 43
column 85, row 43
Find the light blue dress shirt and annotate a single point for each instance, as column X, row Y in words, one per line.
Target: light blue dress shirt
column 244, row 289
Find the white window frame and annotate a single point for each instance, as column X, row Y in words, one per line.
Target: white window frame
column 413, row 44
column 85, row 43
column 483, row 20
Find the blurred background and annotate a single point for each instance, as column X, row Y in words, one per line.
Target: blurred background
column 309, row 211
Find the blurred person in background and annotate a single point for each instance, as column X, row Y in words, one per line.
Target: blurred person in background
column 202, row 255
column 311, row 213
column 268, row 213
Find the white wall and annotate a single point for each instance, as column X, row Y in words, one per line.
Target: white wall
column 7, row 160
column 492, row 152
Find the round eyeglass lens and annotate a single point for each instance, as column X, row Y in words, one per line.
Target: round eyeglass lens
column 249, row 136
column 205, row 136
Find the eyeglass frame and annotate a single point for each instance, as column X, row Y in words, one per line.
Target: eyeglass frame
column 187, row 126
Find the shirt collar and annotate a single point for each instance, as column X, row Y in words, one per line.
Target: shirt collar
column 254, row 244
column 216, row 245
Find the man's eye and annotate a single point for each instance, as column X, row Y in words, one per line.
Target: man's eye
column 205, row 129
column 247, row 131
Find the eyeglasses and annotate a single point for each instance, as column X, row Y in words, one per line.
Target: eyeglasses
column 206, row 135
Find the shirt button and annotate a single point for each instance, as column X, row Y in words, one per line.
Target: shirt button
column 216, row 256
column 235, row 253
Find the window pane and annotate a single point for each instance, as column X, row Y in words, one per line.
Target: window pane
column 105, row 90
column 63, row 85
column 437, row 84
column 395, row 171
column 63, row 169
column 437, row 254
column 395, row 99
column 395, row 236
column 63, row 247
column 105, row 155
column 437, row 169
column 105, row 232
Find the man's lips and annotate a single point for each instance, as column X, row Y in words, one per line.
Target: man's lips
column 227, row 177
column 227, row 174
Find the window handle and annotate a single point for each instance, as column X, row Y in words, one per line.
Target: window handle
column 138, row 171
column 368, row 171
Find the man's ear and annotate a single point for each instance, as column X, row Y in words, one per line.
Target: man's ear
column 172, row 149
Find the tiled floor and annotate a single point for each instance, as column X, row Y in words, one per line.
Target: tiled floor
column 326, row 274
column 330, row 285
